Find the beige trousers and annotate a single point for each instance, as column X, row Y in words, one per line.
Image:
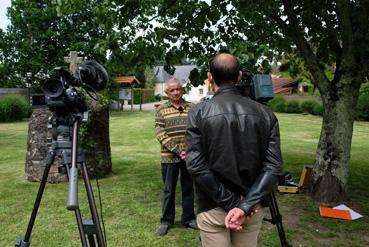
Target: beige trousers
column 214, row 233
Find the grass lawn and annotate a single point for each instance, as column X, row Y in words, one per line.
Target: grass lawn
column 132, row 194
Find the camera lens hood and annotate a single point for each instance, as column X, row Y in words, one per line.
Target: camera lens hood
column 92, row 73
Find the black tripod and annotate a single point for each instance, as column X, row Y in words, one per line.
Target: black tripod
column 65, row 145
column 277, row 219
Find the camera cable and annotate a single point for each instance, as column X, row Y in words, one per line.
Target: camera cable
column 100, row 203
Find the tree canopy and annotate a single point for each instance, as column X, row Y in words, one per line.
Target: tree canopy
column 38, row 39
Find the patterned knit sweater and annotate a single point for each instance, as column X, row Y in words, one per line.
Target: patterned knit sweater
column 170, row 125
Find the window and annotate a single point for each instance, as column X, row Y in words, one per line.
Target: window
column 201, row 91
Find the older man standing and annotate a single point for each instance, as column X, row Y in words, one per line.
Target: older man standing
column 170, row 125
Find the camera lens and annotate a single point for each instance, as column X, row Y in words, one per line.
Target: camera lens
column 53, row 88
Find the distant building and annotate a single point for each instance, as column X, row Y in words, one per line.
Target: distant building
column 181, row 73
column 127, row 81
column 197, row 93
column 285, row 85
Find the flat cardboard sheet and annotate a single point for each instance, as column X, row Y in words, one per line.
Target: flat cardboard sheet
column 335, row 213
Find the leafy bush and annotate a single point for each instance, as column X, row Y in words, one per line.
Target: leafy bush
column 362, row 107
column 318, row 109
column 308, row 106
column 277, row 104
column 13, row 108
column 144, row 95
column 293, row 106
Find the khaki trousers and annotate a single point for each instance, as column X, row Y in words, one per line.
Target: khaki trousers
column 214, row 233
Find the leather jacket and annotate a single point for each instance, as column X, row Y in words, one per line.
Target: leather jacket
column 233, row 151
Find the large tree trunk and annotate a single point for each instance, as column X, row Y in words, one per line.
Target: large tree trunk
column 330, row 173
column 95, row 141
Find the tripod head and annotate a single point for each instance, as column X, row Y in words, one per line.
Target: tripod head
column 60, row 140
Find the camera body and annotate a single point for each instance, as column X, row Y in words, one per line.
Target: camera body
column 64, row 95
column 258, row 87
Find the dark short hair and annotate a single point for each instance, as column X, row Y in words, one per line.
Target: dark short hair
column 224, row 70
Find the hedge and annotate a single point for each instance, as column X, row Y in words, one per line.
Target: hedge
column 293, row 106
column 146, row 94
column 13, row 108
column 277, row 104
column 308, row 106
column 362, row 107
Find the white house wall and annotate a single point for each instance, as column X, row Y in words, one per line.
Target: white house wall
column 159, row 88
column 194, row 95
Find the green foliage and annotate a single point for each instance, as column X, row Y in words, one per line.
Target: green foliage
column 293, row 106
column 318, row 110
column 160, row 98
column 143, row 95
column 277, row 104
column 137, row 95
column 13, row 108
column 362, row 107
column 38, row 39
column 308, row 106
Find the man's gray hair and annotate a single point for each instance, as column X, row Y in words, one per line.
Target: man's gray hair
column 171, row 80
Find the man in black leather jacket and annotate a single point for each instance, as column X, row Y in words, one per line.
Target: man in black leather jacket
column 234, row 157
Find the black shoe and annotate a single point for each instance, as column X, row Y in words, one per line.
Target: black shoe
column 162, row 230
column 191, row 224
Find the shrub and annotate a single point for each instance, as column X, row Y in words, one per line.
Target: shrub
column 308, row 106
column 362, row 107
column 277, row 104
column 318, row 109
column 293, row 106
column 13, row 108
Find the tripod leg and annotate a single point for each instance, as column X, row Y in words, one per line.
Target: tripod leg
column 26, row 240
column 277, row 219
column 79, row 219
column 92, row 204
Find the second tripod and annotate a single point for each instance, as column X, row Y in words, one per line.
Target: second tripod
column 65, row 145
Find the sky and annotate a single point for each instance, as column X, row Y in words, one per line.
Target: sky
column 3, row 19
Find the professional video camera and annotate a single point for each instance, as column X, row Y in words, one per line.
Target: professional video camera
column 63, row 96
column 257, row 87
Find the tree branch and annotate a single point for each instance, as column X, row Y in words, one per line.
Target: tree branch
column 345, row 26
column 331, row 34
column 164, row 10
column 295, row 30
column 363, row 32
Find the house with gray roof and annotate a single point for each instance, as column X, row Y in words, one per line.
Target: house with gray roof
column 181, row 73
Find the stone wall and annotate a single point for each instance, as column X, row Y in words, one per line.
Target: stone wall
column 37, row 149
